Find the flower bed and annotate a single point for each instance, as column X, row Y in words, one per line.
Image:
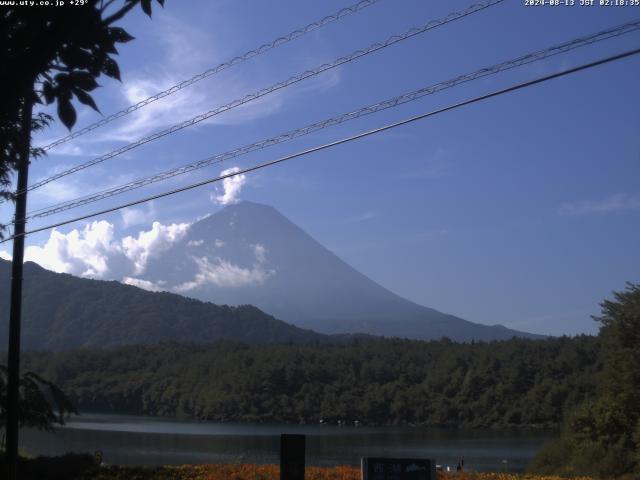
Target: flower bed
column 81, row 467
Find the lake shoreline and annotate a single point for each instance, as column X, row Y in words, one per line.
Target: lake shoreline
column 152, row 441
column 355, row 423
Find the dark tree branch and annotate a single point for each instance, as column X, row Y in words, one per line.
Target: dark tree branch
column 121, row 13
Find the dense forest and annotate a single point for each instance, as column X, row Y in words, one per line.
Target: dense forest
column 523, row 383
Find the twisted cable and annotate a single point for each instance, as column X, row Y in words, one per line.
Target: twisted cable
column 341, row 141
column 218, row 68
column 412, row 32
column 345, row 117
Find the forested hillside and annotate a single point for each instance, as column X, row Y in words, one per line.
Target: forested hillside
column 518, row 382
column 62, row 312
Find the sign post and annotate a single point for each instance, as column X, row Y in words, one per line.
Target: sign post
column 292, row 457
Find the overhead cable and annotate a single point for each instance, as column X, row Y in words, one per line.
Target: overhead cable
column 339, row 119
column 218, row 68
column 325, row 146
column 412, row 32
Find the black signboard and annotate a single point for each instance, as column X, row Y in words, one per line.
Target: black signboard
column 398, row 469
column 292, row 451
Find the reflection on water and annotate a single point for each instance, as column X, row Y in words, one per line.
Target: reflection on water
column 132, row 440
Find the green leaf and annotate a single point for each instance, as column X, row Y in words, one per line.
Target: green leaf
column 77, row 58
column 84, row 80
column 85, row 98
column 111, row 69
column 120, row 35
column 109, row 47
column 48, row 92
column 63, row 80
column 146, row 6
column 161, row 2
column 66, row 112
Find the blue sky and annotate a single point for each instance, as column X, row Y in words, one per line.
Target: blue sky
column 523, row 210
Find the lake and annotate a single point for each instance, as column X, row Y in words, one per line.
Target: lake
column 136, row 440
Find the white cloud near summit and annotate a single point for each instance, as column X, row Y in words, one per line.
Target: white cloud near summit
column 231, row 187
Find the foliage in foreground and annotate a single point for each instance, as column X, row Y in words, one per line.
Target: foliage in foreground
column 602, row 436
column 80, row 467
column 51, row 55
column 497, row 384
column 42, row 403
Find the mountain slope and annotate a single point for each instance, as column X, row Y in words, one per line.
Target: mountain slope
column 251, row 254
column 61, row 311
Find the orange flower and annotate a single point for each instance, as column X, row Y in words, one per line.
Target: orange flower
column 272, row 472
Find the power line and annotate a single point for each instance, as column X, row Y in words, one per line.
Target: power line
column 218, row 68
column 358, row 136
column 265, row 91
column 336, row 120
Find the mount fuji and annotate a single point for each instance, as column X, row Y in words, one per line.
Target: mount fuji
column 249, row 253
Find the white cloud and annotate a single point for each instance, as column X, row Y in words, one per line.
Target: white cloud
column 137, row 216
column 5, row 255
column 197, row 243
column 93, row 252
column 260, row 252
column 152, row 242
column 194, row 243
column 178, row 55
column 59, row 191
column 80, row 252
column 612, row 203
column 79, row 149
column 223, row 273
column 143, row 284
column 231, row 186
column 74, row 186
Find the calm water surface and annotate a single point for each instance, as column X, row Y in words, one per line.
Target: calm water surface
column 134, row 440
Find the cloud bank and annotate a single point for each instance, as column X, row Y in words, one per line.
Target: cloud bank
column 85, row 252
column 94, row 252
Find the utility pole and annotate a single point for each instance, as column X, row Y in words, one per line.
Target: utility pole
column 13, row 383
